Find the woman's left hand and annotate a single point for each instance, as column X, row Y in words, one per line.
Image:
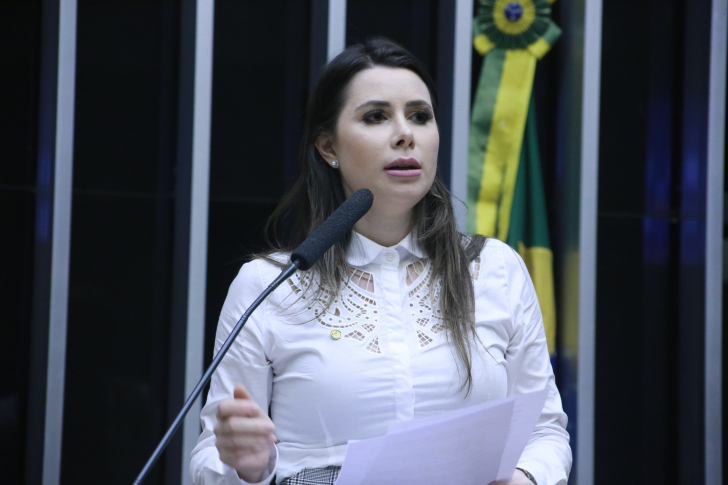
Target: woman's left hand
column 519, row 478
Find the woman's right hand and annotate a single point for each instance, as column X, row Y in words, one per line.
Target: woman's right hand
column 244, row 434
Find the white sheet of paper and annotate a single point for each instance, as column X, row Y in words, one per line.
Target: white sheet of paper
column 475, row 445
column 441, row 452
column 398, row 426
column 526, row 410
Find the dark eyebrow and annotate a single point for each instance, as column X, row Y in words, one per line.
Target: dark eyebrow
column 386, row 104
column 379, row 104
column 418, row 102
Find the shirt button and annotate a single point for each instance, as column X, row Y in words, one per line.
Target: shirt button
column 335, row 334
column 390, row 257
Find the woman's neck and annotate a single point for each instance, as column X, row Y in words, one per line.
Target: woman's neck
column 385, row 229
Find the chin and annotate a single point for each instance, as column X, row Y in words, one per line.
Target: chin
column 402, row 198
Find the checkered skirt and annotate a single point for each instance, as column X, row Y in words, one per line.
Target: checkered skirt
column 314, row 476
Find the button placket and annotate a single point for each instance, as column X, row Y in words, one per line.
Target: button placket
column 397, row 336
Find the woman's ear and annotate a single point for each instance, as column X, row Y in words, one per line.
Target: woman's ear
column 325, row 146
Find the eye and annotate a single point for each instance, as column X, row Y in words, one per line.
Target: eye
column 421, row 117
column 374, row 116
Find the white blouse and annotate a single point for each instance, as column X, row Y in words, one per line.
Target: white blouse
column 378, row 354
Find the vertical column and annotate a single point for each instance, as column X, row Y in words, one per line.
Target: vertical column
column 444, row 76
column 714, row 244
column 191, row 221
column 462, row 63
column 328, row 34
column 61, row 241
column 199, row 196
column 53, row 223
column 336, row 29
column 588, row 239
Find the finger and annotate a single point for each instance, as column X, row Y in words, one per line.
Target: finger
column 243, row 443
column 252, row 427
column 237, row 407
column 240, row 392
column 246, row 426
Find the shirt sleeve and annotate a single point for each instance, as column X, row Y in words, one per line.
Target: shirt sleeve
column 245, row 363
column 547, row 455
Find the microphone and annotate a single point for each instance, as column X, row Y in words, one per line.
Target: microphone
column 303, row 257
column 333, row 228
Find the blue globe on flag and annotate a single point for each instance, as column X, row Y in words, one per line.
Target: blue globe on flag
column 512, row 24
column 513, row 11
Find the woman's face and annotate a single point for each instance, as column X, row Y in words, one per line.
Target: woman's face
column 386, row 138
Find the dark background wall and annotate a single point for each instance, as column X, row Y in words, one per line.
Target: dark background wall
column 651, row 242
column 260, row 89
column 637, row 346
column 20, row 36
column 125, row 189
column 121, row 236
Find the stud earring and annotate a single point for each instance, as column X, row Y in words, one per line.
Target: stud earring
column 335, row 164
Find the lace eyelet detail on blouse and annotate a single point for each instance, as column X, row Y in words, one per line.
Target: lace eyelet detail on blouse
column 374, row 346
column 424, row 304
column 356, row 335
column 354, row 310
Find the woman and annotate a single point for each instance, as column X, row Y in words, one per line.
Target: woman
column 401, row 319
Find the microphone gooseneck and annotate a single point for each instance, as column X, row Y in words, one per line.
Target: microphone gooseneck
column 305, row 256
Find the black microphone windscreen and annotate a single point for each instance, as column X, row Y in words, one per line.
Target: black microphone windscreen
column 333, row 228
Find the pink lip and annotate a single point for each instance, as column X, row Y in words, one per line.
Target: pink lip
column 404, row 162
column 413, row 168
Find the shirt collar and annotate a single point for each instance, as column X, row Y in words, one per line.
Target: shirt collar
column 363, row 251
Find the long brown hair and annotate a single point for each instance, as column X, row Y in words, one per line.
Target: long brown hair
column 318, row 192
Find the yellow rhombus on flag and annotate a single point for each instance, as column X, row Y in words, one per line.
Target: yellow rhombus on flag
column 505, row 192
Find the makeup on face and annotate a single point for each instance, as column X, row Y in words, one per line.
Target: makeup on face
column 404, row 167
column 386, row 139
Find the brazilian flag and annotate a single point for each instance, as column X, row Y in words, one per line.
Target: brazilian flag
column 505, row 191
column 528, row 229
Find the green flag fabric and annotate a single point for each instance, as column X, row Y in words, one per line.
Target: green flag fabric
column 528, row 229
column 505, row 191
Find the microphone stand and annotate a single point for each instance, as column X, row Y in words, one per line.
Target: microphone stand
column 285, row 274
column 303, row 257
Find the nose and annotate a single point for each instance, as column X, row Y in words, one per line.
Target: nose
column 403, row 137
